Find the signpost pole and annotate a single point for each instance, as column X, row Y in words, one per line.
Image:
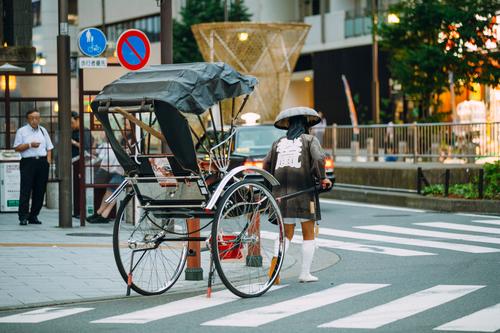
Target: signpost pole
column 166, row 31
column 64, row 118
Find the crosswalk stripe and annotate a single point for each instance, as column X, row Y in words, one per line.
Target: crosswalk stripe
column 485, row 320
column 357, row 204
column 464, row 227
column 266, row 314
column 428, row 233
column 41, row 315
column 175, row 308
column 332, row 244
column 408, row 241
column 403, row 307
column 495, row 222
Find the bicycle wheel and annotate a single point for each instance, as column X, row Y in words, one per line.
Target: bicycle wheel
column 156, row 245
column 247, row 233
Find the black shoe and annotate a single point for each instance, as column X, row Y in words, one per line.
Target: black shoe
column 100, row 219
column 23, row 222
column 92, row 217
column 34, row 220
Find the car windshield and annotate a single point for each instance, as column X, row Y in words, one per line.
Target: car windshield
column 256, row 140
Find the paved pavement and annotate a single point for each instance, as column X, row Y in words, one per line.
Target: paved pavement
column 44, row 264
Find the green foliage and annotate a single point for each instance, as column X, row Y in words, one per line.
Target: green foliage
column 436, row 189
column 470, row 190
column 201, row 11
column 430, row 41
column 467, row 191
column 492, row 180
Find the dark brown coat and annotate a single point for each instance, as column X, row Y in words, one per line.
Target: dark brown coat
column 297, row 164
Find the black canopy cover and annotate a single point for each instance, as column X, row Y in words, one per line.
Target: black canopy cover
column 189, row 88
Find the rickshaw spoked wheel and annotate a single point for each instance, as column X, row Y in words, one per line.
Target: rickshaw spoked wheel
column 244, row 240
column 157, row 264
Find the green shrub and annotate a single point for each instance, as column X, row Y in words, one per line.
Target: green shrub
column 436, row 189
column 467, row 191
column 492, row 180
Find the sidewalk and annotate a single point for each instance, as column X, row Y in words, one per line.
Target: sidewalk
column 44, row 264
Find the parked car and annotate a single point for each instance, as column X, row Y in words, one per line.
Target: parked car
column 252, row 143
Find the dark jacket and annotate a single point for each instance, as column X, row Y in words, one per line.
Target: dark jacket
column 297, row 164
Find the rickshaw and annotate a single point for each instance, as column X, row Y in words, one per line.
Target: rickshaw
column 152, row 118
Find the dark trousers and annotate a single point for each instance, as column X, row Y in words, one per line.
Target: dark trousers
column 34, row 176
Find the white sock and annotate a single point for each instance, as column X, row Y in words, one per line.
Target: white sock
column 277, row 246
column 308, row 247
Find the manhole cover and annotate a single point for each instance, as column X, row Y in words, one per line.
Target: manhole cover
column 391, row 215
column 89, row 234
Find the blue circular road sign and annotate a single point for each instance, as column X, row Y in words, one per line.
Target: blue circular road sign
column 92, row 42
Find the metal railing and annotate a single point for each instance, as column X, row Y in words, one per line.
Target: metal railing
column 433, row 142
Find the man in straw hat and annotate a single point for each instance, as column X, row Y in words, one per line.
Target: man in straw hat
column 297, row 162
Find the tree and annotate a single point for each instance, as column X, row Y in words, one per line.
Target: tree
column 437, row 37
column 201, row 11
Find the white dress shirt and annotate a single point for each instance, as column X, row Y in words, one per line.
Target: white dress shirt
column 28, row 134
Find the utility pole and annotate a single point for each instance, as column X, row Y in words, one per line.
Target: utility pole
column 375, row 89
column 166, row 43
column 64, row 118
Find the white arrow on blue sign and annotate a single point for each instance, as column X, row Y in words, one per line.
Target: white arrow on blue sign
column 92, row 42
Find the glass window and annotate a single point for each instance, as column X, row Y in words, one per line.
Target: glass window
column 36, row 9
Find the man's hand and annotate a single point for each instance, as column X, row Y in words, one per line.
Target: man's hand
column 34, row 144
column 326, row 183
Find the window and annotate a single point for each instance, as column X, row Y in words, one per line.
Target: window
column 150, row 25
column 36, row 9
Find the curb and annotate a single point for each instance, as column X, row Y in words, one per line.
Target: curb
column 416, row 201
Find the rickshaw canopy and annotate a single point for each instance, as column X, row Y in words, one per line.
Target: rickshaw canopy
column 172, row 89
column 190, row 88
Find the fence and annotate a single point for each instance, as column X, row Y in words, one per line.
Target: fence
column 435, row 142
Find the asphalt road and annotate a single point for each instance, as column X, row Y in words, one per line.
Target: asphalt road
column 401, row 270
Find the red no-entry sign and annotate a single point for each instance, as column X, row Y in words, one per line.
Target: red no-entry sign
column 133, row 49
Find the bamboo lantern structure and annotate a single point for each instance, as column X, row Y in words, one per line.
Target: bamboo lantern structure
column 268, row 51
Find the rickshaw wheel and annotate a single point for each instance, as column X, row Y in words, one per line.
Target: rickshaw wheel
column 156, row 264
column 247, row 233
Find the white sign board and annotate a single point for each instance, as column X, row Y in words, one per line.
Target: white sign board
column 85, row 62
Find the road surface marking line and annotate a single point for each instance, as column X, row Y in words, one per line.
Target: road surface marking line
column 266, row 314
column 332, row 244
column 403, row 307
column 175, row 308
column 41, row 315
column 357, row 204
column 495, row 222
column 486, row 320
column 428, row 233
column 408, row 241
column 477, row 215
column 463, row 227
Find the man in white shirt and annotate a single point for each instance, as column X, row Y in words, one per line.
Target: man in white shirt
column 34, row 144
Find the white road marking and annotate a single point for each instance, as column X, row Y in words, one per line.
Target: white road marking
column 175, row 308
column 465, row 227
column 486, row 320
column 408, row 241
column 357, row 204
column 428, row 233
column 332, row 244
column 266, row 314
column 495, row 222
column 477, row 215
column 41, row 315
column 403, row 307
